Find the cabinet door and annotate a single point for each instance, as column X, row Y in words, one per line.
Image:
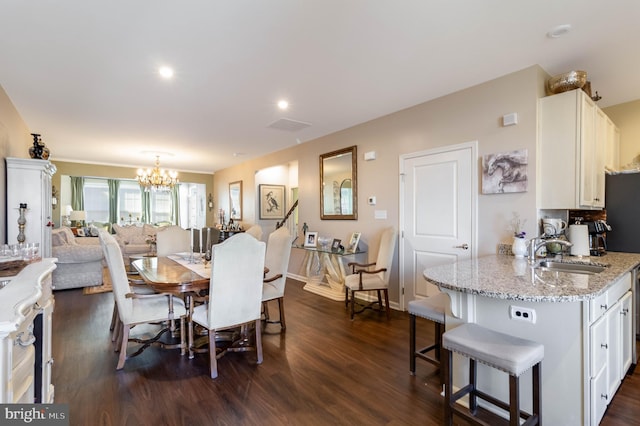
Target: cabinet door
column 626, row 333
column 602, row 123
column 587, row 152
column 614, row 356
column 599, row 397
column 599, row 345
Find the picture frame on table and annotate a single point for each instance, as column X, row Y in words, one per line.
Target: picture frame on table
column 80, row 232
column 272, row 202
column 353, row 242
column 235, row 200
column 310, row 239
column 335, row 245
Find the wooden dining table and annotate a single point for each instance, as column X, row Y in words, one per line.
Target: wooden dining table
column 165, row 275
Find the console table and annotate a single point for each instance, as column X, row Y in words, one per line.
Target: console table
column 324, row 263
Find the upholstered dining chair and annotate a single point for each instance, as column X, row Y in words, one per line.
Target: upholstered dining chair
column 172, row 239
column 235, row 294
column 373, row 276
column 277, row 262
column 134, row 309
column 255, row 231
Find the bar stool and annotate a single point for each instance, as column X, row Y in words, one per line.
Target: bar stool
column 510, row 354
column 433, row 309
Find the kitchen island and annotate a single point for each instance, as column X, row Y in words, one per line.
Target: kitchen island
column 585, row 322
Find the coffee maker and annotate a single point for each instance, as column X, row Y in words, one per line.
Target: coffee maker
column 597, row 237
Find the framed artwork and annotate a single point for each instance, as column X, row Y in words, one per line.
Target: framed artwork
column 504, row 172
column 353, row 242
column 235, row 200
column 271, row 201
column 310, row 239
column 335, row 245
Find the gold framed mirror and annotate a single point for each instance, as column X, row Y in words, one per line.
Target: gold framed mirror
column 339, row 184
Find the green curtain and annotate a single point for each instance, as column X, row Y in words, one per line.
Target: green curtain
column 146, row 205
column 77, row 192
column 175, row 205
column 114, row 185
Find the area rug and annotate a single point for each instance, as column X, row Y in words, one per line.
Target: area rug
column 104, row 288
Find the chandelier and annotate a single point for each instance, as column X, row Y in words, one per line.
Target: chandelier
column 157, row 179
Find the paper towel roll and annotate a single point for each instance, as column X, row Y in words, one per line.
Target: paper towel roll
column 579, row 237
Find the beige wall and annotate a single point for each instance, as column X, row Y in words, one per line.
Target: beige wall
column 15, row 139
column 96, row 170
column 472, row 114
column 627, row 117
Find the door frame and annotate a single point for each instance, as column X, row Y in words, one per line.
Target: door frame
column 471, row 145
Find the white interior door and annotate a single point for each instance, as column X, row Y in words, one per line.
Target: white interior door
column 438, row 205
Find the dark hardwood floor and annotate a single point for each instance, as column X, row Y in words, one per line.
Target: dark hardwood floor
column 324, row 370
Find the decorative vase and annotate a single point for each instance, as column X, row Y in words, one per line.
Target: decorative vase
column 519, row 247
column 38, row 151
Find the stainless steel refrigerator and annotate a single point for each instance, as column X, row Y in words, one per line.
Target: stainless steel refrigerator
column 622, row 203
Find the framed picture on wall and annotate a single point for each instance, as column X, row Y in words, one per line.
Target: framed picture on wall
column 235, row 200
column 271, row 201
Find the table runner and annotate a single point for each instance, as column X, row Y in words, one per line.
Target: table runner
column 198, row 268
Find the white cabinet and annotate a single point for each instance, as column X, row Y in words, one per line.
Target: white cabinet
column 25, row 350
column 29, row 182
column 575, row 142
column 610, row 340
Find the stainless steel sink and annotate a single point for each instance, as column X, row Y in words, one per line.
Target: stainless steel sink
column 575, row 268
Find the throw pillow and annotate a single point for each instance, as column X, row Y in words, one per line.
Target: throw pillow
column 127, row 233
column 68, row 236
column 58, row 238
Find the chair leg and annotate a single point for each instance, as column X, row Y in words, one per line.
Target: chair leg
column 379, row 299
column 537, row 376
column 514, row 401
column 258, row 342
column 346, row 297
column 123, row 347
column 353, row 303
column 213, row 361
column 183, row 338
column 412, row 344
column 114, row 316
column 281, row 309
column 386, row 303
column 448, row 374
column 265, row 310
column 473, row 377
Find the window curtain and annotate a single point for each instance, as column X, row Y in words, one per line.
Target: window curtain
column 175, row 205
column 146, row 206
column 77, row 192
column 114, row 185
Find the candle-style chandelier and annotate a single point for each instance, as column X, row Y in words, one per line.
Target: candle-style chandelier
column 157, row 179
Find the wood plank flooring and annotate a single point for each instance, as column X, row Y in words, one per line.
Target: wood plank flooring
column 324, row 370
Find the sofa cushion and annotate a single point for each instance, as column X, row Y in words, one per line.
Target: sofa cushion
column 62, row 236
column 126, row 234
column 77, row 254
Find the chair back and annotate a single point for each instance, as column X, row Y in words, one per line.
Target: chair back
column 385, row 252
column 235, row 291
column 172, row 239
column 212, row 234
column 277, row 257
column 119, row 280
column 255, row 231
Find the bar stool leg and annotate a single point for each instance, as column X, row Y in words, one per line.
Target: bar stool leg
column 514, row 401
column 537, row 375
column 448, row 374
column 412, row 344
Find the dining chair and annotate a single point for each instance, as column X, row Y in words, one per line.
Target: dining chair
column 172, row 239
column 364, row 278
column 135, row 309
column 255, row 231
column 277, row 262
column 235, row 295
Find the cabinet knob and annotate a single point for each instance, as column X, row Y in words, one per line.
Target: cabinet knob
column 604, row 307
column 464, row 246
column 604, row 396
column 604, row 345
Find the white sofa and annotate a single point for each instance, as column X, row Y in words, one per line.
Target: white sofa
column 79, row 260
column 133, row 239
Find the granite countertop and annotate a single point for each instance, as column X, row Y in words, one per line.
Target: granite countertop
column 505, row 277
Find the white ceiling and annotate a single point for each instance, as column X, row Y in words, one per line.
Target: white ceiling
column 84, row 74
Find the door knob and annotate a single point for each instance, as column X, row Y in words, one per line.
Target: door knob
column 464, row 246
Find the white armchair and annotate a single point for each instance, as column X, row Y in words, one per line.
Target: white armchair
column 277, row 261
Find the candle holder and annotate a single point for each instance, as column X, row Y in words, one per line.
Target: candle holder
column 22, row 222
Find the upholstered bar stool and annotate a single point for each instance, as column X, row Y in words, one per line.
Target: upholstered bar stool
column 510, row 354
column 432, row 308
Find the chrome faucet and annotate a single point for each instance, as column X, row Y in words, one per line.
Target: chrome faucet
column 535, row 246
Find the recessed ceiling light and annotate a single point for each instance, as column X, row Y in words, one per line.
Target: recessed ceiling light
column 559, row 31
column 282, row 104
column 165, row 72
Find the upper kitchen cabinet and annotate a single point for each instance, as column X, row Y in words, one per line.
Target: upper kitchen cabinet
column 576, row 140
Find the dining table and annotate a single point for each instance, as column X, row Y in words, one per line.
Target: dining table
column 179, row 275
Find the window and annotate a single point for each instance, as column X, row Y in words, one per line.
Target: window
column 160, row 207
column 129, row 202
column 96, row 200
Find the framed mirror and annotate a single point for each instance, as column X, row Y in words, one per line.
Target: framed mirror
column 339, row 185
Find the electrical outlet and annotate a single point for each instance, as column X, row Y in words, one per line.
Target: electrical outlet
column 522, row 314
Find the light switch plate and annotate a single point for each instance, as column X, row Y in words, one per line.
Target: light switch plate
column 380, row 214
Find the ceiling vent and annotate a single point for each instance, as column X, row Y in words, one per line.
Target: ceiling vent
column 289, row 125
